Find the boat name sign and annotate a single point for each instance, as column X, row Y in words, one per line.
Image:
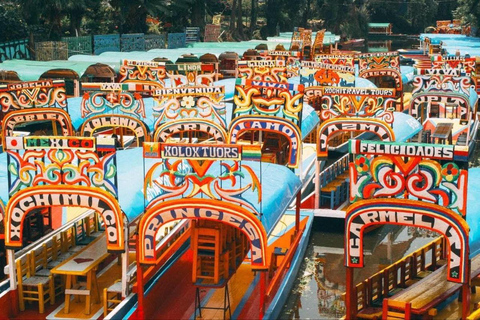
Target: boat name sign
column 447, row 152
column 384, row 92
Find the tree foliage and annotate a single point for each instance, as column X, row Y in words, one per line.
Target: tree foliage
column 12, row 24
column 469, row 12
column 346, row 17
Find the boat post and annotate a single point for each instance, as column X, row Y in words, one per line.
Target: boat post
column 349, row 294
column 13, row 280
column 263, row 292
column 140, row 286
column 297, row 212
column 466, row 292
column 317, row 185
column 125, row 261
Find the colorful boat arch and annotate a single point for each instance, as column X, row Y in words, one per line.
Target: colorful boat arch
column 34, row 94
column 445, row 89
column 97, row 122
column 269, row 124
column 167, row 129
column 15, row 117
column 149, row 73
column 459, row 100
column 239, row 217
column 405, row 212
column 23, row 201
column 335, row 125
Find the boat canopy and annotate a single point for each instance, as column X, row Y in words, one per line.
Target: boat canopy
column 473, row 210
column 29, row 70
column 405, row 126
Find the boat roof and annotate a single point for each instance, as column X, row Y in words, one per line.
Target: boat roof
column 113, row 59
column 473, row 210
column 379, row 25
column 31, row 70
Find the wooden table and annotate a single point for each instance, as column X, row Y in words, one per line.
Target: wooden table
column 443, row 131
column 83, row 263
column 430, row 291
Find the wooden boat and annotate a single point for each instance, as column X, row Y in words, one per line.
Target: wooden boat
column 353, row 43
column 104, row 109
column 442, row 203
column 224, row 270
column 446, row 106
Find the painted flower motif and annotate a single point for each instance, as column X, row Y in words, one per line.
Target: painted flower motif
column 187, row 102
column 362, row 164
column 450, row 172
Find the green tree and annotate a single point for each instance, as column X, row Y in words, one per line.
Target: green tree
column 422, row 13
column 12, row 24
column 469, row 12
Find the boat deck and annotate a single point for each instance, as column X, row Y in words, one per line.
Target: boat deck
column 242, row 285
column 432, row 290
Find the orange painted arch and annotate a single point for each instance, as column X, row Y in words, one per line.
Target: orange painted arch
column 335, row 125
column 22, row 202
column 97, row 122
column 58, row 115
column 209, row 209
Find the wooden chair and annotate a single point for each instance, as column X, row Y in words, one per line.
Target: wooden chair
column 67, row 239
column 393, row 310
column 112, row 296
column 39, row 259
column 210, row 261
column 55, row 255
column 33, row 288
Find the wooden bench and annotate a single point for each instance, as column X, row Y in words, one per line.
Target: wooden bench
column 430, row 291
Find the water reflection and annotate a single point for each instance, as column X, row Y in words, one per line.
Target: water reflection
column 317, row 294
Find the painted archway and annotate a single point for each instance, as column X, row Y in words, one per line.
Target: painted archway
column 269, row 124
column 16, row 117
column 447, row 98
column 397, row 76
column 22, row 202
column 36, row 115
column 365, row 213
column 167, row 129
column 101, row 121
column 335, row 125
column 160, row 213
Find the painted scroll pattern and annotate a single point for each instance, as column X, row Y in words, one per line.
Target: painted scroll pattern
column 441, row 84
column 466, row 66
column 38, row 95
column 362, row 107
column 208, row 107
column 414, row 178
column 378, row 61
column 143, row 73
column 270, row 101
column 104, row 102
column 61, row 167
column 190, row 178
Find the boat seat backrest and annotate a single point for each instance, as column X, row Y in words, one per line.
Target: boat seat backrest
column 23, row 268
column 38, row 258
